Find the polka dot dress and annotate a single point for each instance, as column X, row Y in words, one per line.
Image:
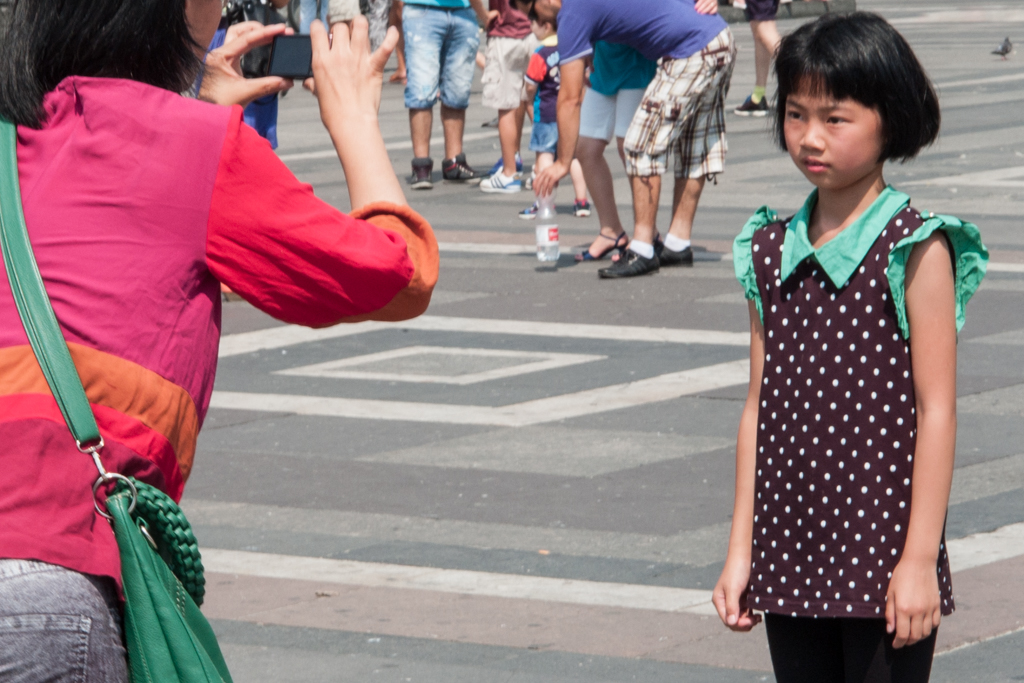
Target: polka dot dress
column 835, row 438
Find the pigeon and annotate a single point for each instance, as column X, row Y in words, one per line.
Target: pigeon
column 1004, row 49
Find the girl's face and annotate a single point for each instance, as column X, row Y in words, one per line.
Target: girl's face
column 834, row 143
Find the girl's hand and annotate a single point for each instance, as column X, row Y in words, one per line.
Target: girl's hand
column 730, row 595
column 348, row 77
column 223, row 82
column 912, row 606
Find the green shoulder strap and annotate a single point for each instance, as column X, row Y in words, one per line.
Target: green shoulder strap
column 33, row 303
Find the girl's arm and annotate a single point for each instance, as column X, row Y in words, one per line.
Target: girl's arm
column 913, row 604
column 730, row 595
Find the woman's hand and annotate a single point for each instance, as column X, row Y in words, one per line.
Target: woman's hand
column 223, row 82
column 730, row 594
column 347, row 77
column 913, row 608
column 347, row 80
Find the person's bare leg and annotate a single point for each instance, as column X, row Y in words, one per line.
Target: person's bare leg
column 395, row 19
column 598, row 175
column 766, row 41
column 579, row 185
column 685, row 197
column 509, row 135
column 544, row 159
column 421, row 121
column 454, row 122
column 646, row 192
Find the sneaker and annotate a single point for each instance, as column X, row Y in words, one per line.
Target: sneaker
column 499, row 182
column 422, row 167
column 581, row 208
column 748, row 108
column 530, row 213
column 500, row 165
column 457, row 170
column 631, row 266
column 676, row 258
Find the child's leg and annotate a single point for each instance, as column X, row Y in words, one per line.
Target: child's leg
column 579, row 185
column 869, row 657
column 805, row 649
column 544, row 159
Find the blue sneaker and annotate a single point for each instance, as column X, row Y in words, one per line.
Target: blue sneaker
column 530, row 213
column 499, row 182
column 499, row 164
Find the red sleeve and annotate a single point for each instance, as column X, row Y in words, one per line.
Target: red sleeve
column 537, row 69
column 301, row 260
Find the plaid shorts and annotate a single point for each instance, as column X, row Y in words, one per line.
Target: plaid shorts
column 683, row 114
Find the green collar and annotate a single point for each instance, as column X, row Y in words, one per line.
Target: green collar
column 840, row 256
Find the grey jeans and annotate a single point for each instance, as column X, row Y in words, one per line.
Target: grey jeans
column 58, row 626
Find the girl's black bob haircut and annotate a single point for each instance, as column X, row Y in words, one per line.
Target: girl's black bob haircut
column 47, row 40
column 859, row 56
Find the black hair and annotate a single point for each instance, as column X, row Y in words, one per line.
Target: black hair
column 47, row 40
column 536, row 18
column 859, row 56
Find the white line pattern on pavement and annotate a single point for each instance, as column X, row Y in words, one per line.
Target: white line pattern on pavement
column 288, row 335
column 486, row 248
column 985, row 548
column 528, row 362
column 696, row 547
column 629, row 395
column 1000, row 177
column 392, row 146
column 463, row 582
column 995, row 267
column 965, row 553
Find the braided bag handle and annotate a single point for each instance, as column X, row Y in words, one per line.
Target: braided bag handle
column 166, row 525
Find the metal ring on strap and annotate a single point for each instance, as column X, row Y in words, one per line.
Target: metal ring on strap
column 106, row 479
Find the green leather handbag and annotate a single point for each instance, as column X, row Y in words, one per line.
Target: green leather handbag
column 168, row 638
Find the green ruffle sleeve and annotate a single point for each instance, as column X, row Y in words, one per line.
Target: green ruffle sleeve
column 743, row 255
column 970, row 258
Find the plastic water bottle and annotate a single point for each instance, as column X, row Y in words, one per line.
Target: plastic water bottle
column 547, row 229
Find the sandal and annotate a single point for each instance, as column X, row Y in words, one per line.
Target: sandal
column 618, row 244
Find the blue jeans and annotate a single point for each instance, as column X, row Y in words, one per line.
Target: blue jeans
column 440, row 55
column 307, row 13
column 58, row 626
column 544, row 138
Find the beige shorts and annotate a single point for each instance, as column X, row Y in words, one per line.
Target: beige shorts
column 507, row 59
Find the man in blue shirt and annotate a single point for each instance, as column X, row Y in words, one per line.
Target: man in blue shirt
column 681, row 114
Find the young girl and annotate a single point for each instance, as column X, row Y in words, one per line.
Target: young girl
column 845, row 449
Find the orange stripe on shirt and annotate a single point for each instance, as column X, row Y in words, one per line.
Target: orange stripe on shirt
column 421, row 245
column 109, row 381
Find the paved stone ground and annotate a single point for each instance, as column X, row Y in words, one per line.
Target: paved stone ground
column 497, row 513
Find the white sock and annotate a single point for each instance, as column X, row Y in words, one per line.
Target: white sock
column 508, row 178
column 675, row 244
column 643, row 248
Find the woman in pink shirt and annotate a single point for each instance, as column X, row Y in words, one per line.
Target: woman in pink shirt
column 139, row 204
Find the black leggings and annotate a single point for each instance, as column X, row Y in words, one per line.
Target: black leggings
column 806, row 650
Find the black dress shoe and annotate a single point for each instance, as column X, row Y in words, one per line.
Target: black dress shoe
column 676, row 258
column 632, row 265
